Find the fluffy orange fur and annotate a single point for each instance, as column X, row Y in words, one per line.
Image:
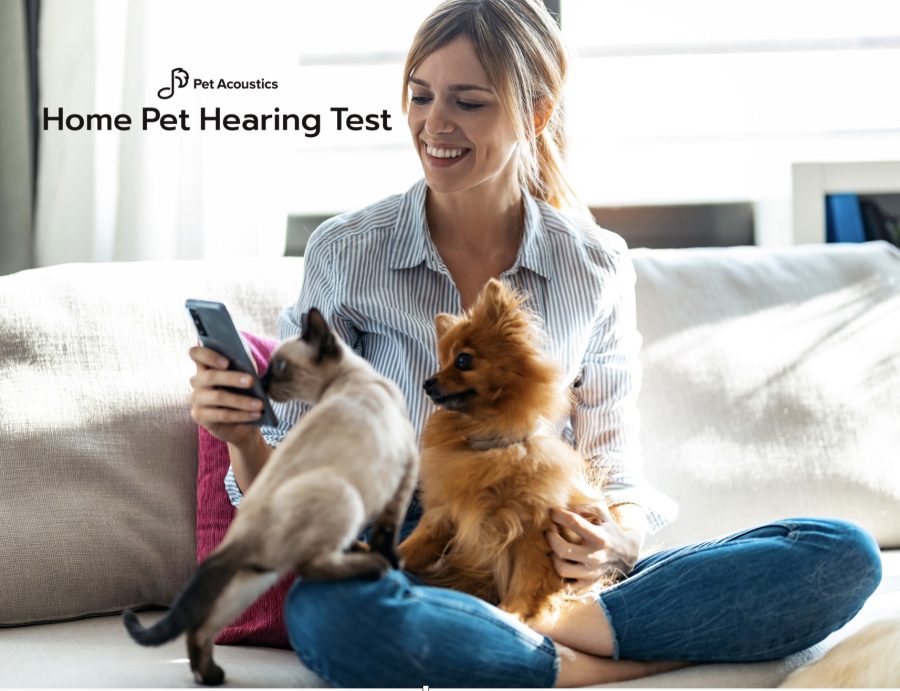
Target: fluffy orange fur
column 488, row 481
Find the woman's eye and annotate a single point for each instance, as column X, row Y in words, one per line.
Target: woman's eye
column 463, row 362
column 470, row 106
column 420, row 100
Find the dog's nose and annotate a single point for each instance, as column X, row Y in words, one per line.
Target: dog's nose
column 430, row 386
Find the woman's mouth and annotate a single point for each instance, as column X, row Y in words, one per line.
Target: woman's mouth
column 442, row 157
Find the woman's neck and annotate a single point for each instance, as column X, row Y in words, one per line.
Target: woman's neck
column 483, row 220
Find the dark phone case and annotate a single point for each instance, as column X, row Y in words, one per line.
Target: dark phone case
column 223, row 337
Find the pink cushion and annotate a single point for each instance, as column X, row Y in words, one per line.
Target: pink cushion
column 263, row 623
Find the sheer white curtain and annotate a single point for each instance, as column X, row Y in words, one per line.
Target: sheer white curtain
column 152, row 194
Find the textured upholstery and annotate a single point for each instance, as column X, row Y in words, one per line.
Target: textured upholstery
column 771, row 382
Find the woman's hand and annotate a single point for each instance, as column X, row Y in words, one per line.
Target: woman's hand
column 607, row 548
column 223, row 413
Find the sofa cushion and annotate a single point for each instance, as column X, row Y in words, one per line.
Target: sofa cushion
column 770, row 385
column 98, row 453
column 263, row 622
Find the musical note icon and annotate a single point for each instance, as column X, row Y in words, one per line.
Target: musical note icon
column 178, row 75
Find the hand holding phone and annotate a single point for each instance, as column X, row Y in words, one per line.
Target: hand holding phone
column 217, row 331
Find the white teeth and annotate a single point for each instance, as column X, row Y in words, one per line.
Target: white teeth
column 444, row 153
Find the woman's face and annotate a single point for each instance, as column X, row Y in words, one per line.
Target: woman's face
column 458, row 124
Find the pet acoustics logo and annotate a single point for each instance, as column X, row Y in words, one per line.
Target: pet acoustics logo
column 181, row 76
column 214, row 119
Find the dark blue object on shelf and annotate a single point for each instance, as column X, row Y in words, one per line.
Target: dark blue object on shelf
column 843, row 219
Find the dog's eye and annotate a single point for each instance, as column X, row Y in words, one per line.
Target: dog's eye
column 463, row 362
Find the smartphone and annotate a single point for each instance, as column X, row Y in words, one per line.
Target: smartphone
column 218, row 332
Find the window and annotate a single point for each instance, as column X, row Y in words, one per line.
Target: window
column 710, row 101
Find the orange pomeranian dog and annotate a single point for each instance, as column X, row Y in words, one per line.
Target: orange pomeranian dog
column 488, row 481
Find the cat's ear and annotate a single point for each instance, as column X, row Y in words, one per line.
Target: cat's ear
column 442, row 322
column 318, row 335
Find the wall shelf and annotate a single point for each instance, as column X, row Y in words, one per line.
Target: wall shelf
column 811, row 182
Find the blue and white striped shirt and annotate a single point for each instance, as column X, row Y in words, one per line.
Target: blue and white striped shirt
column 378, row 279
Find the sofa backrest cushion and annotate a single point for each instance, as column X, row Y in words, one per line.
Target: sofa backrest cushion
column 98, row 453
column 772, row 385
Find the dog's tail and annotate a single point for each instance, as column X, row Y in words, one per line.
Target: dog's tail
column 193, row 603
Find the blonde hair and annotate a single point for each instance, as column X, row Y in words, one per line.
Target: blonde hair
column 520, row 47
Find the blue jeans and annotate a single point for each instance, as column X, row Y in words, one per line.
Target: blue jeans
column 759, row 594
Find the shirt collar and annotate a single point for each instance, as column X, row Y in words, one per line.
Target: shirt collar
column 411, row 229
column 534, row 253
column 412, row 246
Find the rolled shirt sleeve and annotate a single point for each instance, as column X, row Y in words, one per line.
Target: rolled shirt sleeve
column 605, row 420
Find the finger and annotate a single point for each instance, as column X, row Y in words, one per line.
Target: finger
column 217, row 398
column 219, row 416
column 599, row 511
column 563, row 548
column 581, row 526
column 210, row 378
column 567, row 569
column 207, row 357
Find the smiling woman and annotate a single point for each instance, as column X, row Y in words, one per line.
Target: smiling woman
column 507, row 97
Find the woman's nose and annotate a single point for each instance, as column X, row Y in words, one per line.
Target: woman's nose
column 437, row 121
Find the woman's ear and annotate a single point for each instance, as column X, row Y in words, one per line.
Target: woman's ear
column 543, row 111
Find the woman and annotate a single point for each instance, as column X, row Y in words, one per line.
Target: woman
column 482, row 89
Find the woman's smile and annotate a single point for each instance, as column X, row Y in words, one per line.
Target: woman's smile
column 444, row 156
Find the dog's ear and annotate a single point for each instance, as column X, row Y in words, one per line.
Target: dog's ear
column 442, row 322
column 495, row 300
column 317, row 334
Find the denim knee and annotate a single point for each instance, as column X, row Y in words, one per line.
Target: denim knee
column 850, row 562
column 321, row 617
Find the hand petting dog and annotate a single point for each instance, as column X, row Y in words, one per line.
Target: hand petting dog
column 606, row 548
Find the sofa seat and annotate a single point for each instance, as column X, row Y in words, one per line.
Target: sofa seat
column 98, row 653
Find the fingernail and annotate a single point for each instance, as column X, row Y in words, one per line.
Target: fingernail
column 222, row 362
column 245, row 380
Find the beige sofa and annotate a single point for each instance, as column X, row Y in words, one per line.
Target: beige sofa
column 771, row 388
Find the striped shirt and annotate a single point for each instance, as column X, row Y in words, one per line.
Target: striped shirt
column 378, row 279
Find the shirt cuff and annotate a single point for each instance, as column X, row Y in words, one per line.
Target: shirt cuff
column 660, row 508
column 235, row 496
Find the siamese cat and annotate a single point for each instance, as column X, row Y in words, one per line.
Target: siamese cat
column 350, row 461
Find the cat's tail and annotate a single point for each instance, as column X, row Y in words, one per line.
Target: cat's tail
column 193, row 603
